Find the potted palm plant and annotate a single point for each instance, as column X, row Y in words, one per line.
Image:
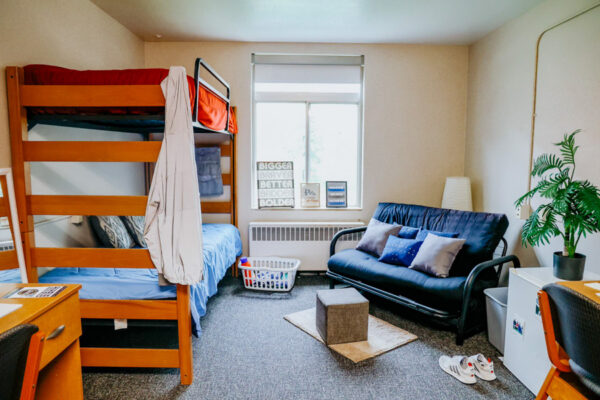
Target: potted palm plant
column 572, row 210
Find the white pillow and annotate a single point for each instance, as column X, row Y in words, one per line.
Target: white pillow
column 436, row 255
column 376, row 236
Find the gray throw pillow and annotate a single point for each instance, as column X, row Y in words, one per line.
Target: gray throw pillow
column 111, row 231
column 376, row 235
column 436, row 255
column 135, row 227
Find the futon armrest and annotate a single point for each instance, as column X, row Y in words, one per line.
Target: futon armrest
column 342, row 233
column 479, row 268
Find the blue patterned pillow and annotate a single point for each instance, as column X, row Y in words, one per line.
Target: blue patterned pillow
column 399, row 251
column 111, row 231
column 423, row 234
column 408, row 232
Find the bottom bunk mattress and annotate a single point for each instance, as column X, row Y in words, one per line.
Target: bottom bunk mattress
column 222, row 245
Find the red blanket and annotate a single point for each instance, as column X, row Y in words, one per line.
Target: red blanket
column 212, row 111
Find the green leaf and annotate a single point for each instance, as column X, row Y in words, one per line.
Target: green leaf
column 542, row 185
column 521, row 200
column 553, row 184
column 540, row 227
column 560, row 202
column 546, row 162
column 545, row 188
column 568, row 148
column 587, row 199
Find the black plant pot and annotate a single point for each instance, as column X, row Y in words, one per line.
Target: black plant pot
column 569, row 268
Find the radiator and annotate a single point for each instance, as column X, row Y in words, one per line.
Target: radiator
column 307, row 241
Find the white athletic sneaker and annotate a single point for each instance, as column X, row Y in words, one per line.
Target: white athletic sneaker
column 459, row 367
column 484, row 368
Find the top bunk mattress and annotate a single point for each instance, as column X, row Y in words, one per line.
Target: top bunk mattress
column 212, row 110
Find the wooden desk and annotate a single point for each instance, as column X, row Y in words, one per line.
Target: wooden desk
column 581, row 288
column 60, row 366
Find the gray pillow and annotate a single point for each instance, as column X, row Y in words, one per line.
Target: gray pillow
column 135, row 227
column 436, row 255
column 111, row 231
column 374, row 239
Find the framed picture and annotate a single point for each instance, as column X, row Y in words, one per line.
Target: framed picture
column 310, row 195
column 275, row 180
column 336, row 194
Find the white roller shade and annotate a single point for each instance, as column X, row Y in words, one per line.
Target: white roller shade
column 282, row 80
column 269, row 73
column 306, row 59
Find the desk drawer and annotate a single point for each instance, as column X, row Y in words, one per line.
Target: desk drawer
column 65, row 314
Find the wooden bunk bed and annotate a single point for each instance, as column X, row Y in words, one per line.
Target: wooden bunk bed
column 24, row 103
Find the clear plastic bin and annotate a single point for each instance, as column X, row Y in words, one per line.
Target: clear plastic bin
column 495, row 305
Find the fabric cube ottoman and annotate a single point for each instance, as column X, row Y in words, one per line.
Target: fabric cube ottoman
column 342, row 316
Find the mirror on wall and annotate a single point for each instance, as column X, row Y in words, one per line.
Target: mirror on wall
column 12, row 261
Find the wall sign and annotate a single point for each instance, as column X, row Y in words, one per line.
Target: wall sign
column 275, row 181
column 310, row 195
column 337, row 194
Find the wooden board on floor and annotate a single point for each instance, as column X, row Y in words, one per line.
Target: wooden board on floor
column 383, row 337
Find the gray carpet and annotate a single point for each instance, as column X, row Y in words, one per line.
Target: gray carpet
column 248, row 351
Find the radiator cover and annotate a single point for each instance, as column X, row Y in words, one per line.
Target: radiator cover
column 307, row 241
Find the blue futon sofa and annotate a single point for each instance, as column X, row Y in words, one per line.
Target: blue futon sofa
column 455, row 301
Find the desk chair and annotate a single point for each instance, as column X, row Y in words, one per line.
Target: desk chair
column 571, row 324
column 20, row 354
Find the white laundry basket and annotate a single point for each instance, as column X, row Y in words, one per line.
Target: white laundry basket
column 273, row 274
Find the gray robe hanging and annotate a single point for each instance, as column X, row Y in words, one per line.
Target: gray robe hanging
column 173, row 227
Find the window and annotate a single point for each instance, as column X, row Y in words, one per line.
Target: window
column 308, row 109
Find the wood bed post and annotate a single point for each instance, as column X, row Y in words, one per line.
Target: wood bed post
column 17, row 118
column 184, row 329
column 233, row 200
column 233, row 169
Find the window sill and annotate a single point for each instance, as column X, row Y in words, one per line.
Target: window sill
column 307, row 209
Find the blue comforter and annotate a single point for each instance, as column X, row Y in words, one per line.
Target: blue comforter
column 222, row 244
column 10, row 276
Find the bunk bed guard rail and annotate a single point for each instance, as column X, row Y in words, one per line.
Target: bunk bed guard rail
column 198, row 80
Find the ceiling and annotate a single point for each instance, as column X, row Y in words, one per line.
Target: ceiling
column 343, row 21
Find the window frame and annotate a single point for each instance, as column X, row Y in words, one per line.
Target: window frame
column 360, row 147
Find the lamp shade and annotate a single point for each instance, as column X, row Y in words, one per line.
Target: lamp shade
column 457, row 193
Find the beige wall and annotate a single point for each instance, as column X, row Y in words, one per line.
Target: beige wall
column 419, row 126
column 500, row 95
column 68, row 33
column 414, row 123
